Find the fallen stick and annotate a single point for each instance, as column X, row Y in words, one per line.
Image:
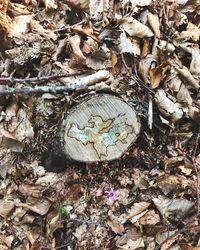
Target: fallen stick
column 81, row 83
column 35, row 79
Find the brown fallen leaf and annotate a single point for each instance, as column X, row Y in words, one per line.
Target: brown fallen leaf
column 33, row 234
column 6, row 239
column 154, row 22
column 150, row 218
column 5, row 20
column 133, row 244
column 135, row 28
column 162, row 236
column 135, row 210
column 77, row 57
column 30, row 190
column 189, row 247
column 173, row 207
column 158, row 74
column 6, row 206
column 175, row 183
column 39, row 206
column 192, row 32
column 82, row 5
column 116, row 226
column 127, row 45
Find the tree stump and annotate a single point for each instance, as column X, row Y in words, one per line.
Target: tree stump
column 98, row 129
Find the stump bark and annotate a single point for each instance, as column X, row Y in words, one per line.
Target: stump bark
column 98, row 129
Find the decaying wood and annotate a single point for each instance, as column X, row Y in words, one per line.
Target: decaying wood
column 98, row 129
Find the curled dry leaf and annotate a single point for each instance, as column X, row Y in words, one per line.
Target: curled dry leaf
column 187, row 76
column 173, row 207
column 154, row 22
column 6, row 240
column 33, row 234
column 158, row 74
column 175, row 183
column 193, row 49
column 145, row 66
column 77, row 57
column 128, row 45
column 5, row 20
column 194, row 113
column 135, row 210
column 50, row 4
column 38, row 206
column 161, row 237
column 30, row 190
column 167, row 107
column 133, row 244
column 82, row 5
column 90, row 45
column 192, row 32
column 135, row 28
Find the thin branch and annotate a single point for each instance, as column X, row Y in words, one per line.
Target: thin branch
column 38, row 90
column 35, row 79
column 82, row 83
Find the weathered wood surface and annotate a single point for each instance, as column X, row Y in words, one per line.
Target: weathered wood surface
column 99, row 129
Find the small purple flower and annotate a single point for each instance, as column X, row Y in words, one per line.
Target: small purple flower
column 112, row 195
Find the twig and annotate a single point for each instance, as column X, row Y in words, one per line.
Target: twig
column 83, row 83
column 35, row 79
column 37, row 90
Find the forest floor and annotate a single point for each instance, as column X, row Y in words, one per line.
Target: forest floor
column 148, row 199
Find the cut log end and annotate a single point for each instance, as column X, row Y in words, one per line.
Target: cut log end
column 101, row 128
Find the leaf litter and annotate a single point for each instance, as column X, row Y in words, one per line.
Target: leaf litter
column 148, row 53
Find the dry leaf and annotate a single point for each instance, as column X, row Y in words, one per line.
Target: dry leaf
column 82, row 5
column 30, row 190
column 187, row 76
column 155, row 24
column 175, row 207
column 158, row 74
column 77, row 57
column 6, row 206
column 161, row 237
column 150, row 218
column 145, row 66
column 99, row 59
column 192, row 32
column 116, row 226
column 135, row 28
column 128, row 45
column 39, row 206
column 133, row 244
column 7, row 240
column 20, row 25
column 175, row 183
column 167, row 107
column 50, row 4
column 135, row 210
